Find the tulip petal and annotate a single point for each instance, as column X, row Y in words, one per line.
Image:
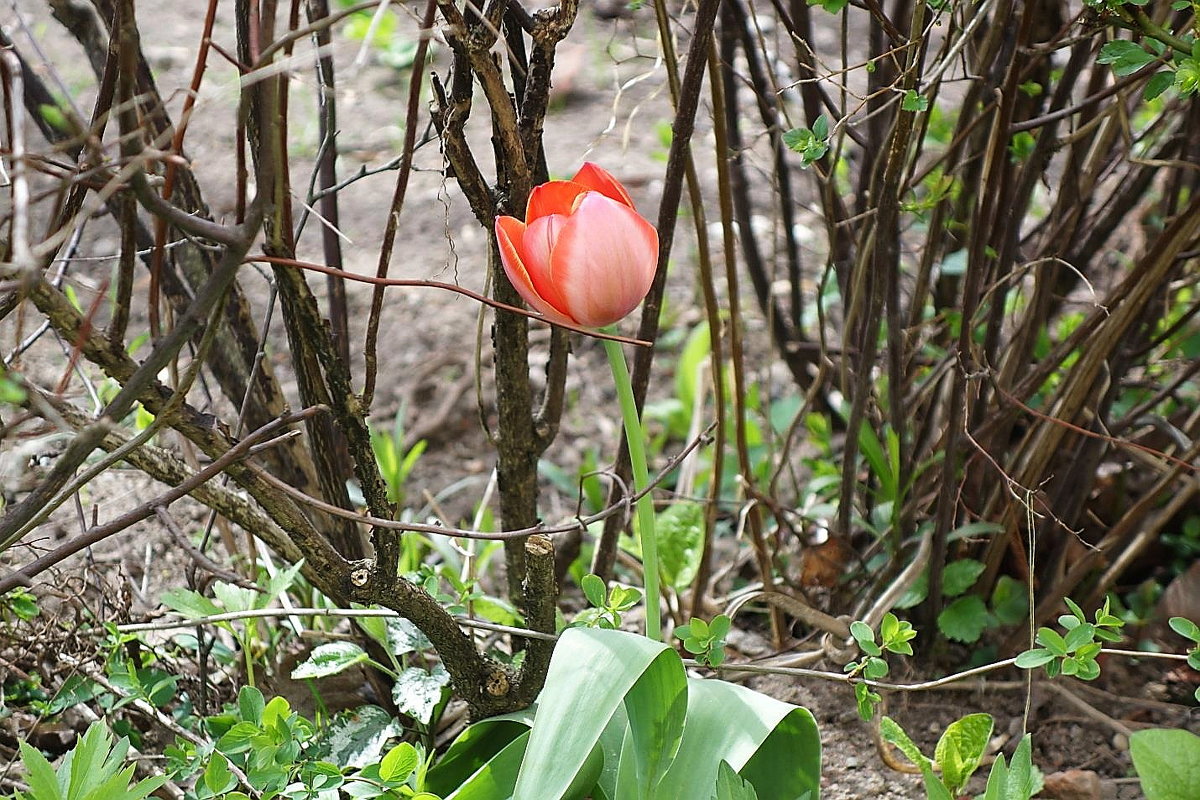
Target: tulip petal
column 538, row 244
column 603, row 261
column 510, row 236
column 600, row 180
column 555, row 197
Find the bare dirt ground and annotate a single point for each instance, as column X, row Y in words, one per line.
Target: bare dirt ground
column 611, row 106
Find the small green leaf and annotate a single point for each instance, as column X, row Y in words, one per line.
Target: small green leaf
column 217, row 777
column 913, row 101
column 1052, row 641
column 1078, row 636
column 1032, row 659
column 1185, row 628
column 892, row 732
column 399, row 763
column 593, row 590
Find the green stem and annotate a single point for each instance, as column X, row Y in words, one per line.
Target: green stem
column 641, row 481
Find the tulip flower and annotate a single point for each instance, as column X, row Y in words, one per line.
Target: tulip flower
column 583, row 256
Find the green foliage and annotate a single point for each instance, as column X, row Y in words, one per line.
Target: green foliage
column 94, row 769
column 956, row 756
column 618, row 718
column 607, row 608
column 11, row 392
column 395, row 463
column 1125, row 57
column 812, row 143
column 914, row 101
column 18, row 604
column 267, row 747
column 231, row 598
column 1167, row 762
column 705, row 640
column 680, row 530
column 1190, row 631
column 895, row 636
column 832, row 6
column 1017, row 780
column 1075, row 653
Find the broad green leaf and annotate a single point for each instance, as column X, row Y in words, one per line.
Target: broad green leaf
column 965, row 619
column 474, row 747
column 591, row 673
column 1124, row 56
column 1078, row 636
column 250, row 704
column 960, row 749
column 330, row 659
column 1010, row 600
column 593, row 590
column 495, row 778
column 680, row 531
column 1167, row 762
column 417, row 692
column 1159, row 82
column 1024, row 779
column 960, row 575
column 1052, row 641
column 754, row 734
column 192, row 605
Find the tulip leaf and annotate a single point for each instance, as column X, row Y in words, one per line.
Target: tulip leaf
column 593, row 671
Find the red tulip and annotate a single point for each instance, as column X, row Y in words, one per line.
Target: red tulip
column 583, row 256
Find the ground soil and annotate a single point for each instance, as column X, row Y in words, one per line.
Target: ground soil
column 611, row 106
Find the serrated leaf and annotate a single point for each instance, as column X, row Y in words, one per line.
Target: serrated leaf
column 417, row 692
column 731, row 786
column 914, row 101
column 330, row 659
column 964, row 620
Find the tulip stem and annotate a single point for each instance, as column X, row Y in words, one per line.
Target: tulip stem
column 641, row 481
